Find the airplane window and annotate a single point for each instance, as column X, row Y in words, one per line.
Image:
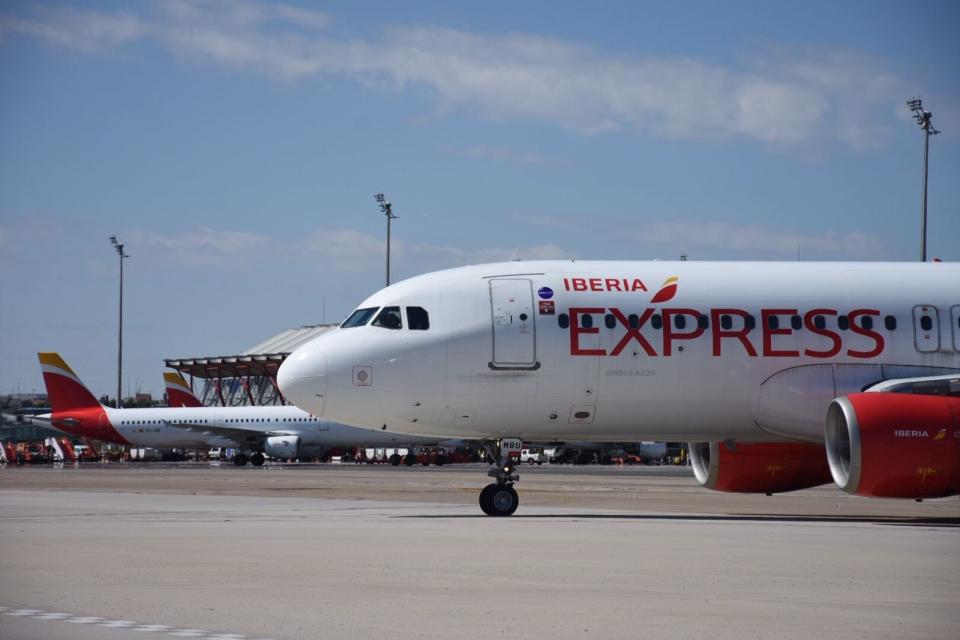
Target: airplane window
column 866, row 322
column 890, row 323
column 656, row 321
column 609, row 321
column 773, row 322
column 843, row 323
column 586, row 321
column 819, row 322
column 702, row 321
column 750, row 322
column 926, row 323
column 796, row 322
column 418, row 319
column 633, row 320
column 563, row 320
column 726, row 322
column 680, row 322
column 389, row 318
column 359, row 318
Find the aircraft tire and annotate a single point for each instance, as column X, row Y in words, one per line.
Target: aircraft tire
column 410, row 460
column 395, row 460
column 257, row 459
column 441, row 460
column 485, row 499
column 240, row 460
column 499, row 500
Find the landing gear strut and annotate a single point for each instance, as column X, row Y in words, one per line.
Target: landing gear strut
column 500, row 498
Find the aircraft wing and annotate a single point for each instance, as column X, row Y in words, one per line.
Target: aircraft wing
column 239, row 434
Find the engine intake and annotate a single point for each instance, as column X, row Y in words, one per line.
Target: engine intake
column 895, row 445
column 759, row 467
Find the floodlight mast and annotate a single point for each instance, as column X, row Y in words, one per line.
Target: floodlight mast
column 924, row 119
column 387, row 210
column 118, row 247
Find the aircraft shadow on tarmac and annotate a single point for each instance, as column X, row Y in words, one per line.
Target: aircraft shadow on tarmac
column 890, row 521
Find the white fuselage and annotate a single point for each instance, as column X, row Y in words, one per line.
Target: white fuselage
column 169, row 428
column 510, row 350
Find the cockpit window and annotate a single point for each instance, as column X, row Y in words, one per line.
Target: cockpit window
column 418, row 319
column 359, row 318
column 389, row 318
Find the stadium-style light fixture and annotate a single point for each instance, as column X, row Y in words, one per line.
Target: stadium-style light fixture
column 924, row 119
column 387, row 210
column 118, row 247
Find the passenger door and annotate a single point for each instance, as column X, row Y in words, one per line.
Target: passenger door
column 514, row 330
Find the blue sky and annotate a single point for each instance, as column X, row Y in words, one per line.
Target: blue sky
column 235, row 147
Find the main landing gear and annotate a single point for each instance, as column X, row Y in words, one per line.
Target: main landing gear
column 500, row 498
column 256, row 459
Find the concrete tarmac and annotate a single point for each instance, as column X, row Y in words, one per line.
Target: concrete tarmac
column 338, row 551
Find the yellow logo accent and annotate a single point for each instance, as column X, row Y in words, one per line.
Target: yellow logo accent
column 940, row 435
column 923, row 472
column 53, row 359
column 774, row 469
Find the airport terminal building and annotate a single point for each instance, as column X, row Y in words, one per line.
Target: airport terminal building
column 248, row 378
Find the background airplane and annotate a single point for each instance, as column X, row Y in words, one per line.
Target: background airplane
column 279, row 432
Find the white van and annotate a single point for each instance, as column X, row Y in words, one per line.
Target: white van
column 533, row 455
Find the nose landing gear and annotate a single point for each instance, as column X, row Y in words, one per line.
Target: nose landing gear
column 500, row 498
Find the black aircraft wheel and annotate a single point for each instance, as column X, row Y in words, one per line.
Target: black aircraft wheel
column 395, row 459
column 257, row 459
column 485, row 499
column 499, row 500
column 410, row 460
column 441, row 460
column 240, row 460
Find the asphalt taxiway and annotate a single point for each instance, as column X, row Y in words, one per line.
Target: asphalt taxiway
column 337, row 551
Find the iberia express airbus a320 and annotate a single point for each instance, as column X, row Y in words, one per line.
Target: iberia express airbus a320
column 760, row 366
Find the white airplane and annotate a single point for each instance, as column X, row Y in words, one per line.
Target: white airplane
column 278, row 432
column 758, row 365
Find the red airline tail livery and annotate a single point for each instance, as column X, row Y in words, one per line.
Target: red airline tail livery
column 179, row 393
column 760, row 366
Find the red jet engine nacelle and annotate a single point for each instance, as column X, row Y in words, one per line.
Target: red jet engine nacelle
column 759, row 467
column 895, row 445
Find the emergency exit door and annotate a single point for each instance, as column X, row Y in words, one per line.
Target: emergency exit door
column 514, row 332
column 926, row 328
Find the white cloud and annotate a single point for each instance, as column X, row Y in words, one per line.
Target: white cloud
column 76, row 29
column 758, row 241
column 351, row 250
column 785, row 97
column 202, row 241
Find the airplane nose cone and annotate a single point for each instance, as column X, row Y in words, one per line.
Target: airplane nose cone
column 302, row 379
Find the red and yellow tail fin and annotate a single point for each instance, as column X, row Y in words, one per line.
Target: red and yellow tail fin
column 179, row 393
column 64, row 389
